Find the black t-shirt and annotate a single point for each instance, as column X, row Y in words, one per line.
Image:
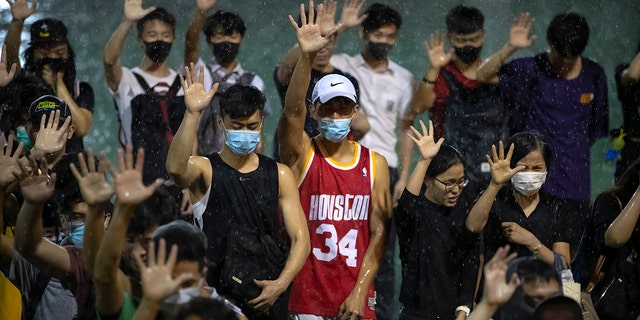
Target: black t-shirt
column 548, row 222
column 439, row 256
column 85, row 100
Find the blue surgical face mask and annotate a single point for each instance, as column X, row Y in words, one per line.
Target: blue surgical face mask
column 23, row 137
column 242, row 142
column 76, row 234
column 334, row 130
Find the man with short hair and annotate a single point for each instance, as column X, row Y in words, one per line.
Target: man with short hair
column 224, row 32
column 562, row 95
column 470, row 115
column 237, row 189
column 344, row 190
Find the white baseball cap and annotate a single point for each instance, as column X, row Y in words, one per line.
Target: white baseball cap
column 331, row 86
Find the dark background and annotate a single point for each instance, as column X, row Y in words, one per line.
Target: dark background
column 615, row 33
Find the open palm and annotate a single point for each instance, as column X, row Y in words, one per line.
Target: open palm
column 93, row 184
column 424, row 141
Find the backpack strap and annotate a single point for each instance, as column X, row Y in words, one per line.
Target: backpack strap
column 142, row 82
column 42, row 280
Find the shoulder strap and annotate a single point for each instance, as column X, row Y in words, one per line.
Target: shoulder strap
column 175, row 86
column 42, row 280
column 246, row 78
column 142, row 82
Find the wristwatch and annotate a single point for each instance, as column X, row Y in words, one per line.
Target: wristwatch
column 535, row 250
column 463, row 308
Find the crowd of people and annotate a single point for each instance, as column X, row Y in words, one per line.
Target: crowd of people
column 495, row 220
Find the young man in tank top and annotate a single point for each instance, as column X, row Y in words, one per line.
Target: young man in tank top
column 239, row 188
column 344, row 190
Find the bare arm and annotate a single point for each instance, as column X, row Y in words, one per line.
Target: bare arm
column 296, row 226
column 113, row 49
column 286, row 66
column 8, row 170
column 425, row 96
column 181, row 166
column 501, row 172
column 619, row 232
column 81, row 117
column 291, row 136
column 518, row 38
column 20, row 11
column 405, row 149
column 359, row 125
column 192, row 39
column 632, row 73
column 379, row 223
column 129, row 193
column 428, row 149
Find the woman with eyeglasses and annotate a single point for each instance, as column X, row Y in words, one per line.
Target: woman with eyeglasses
column 531, row 221
column 439, row 255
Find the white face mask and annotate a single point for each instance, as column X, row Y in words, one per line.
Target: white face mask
column 528, row 183
column 183, row 295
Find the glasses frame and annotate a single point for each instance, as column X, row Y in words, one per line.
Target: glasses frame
column 450, row 186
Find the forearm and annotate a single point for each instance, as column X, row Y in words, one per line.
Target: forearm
column 370, row 263
column 12, row 42
column 294, row 105
column 93, row 235
column 111, row 54
column 425, row 96
column 29, row 231
column 479, row 214
column 147, row 310
column 414, row 184
column 632, row 73
column 490, row 67
column 483, row 311
column 405, row 149
column 192, row 39
column 81, row 117
column 297, row 256
column 286, row 66
column 181, row 147
column 619, row 232
column 110, row 250
column 6, row 244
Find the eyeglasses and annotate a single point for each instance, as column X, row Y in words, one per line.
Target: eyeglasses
column 449, row 186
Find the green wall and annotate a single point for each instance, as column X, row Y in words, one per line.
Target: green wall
column 615, row 34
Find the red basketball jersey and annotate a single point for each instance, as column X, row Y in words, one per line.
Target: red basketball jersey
column 336, row 199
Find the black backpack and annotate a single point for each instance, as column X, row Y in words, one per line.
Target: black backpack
column 155, row 120
column 210, row 137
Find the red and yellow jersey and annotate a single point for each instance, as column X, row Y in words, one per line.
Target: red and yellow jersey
column 336, row 199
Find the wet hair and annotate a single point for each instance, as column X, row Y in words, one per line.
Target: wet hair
column 207, row 309
column 160, row 14
column 191, row 241
column 159, row 209
column 16, row 98
column 228, row 22
column 380, row 15
column 629, row 180
column 559, row 303
column 30, row 64
column 240, row 101
column 527, row 142
column 446, row 158
column 530, row 269
column 464, row 20
column 568, row 34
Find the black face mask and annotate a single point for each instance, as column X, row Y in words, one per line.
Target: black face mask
column 157, row 51
column 468, row 54
column 66, row 66
column 379, row 50
column 225, row 52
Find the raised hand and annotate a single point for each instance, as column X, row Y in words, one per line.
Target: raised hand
column 519, row 34
column 196, row 98
column 6, row 76
column 128, row 181
column 35, row 184
column 205, row 5
column 157, row 280
column 424, row 141
column 133, row 10
column 435, row 50
column 93, row 184
column 9, row 166
column 50, row 138
column 328, row 15
column 20, row 9
column 310, row 37
column 501, row 170
column 350, row 12
column 496, row 290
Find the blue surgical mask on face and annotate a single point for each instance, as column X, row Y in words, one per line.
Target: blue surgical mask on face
column 242, row 142
column 76, row 234
column 23, row 136
column 334, row 130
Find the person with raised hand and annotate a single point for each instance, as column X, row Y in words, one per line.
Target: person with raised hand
column 438, row 253
column 6, row 75
column 329, row 166
column 113, row 288
column 533, row 222
column 158, row 279
column 497, row 288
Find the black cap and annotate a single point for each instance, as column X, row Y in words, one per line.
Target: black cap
column 48, row 30
column 47, row 104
